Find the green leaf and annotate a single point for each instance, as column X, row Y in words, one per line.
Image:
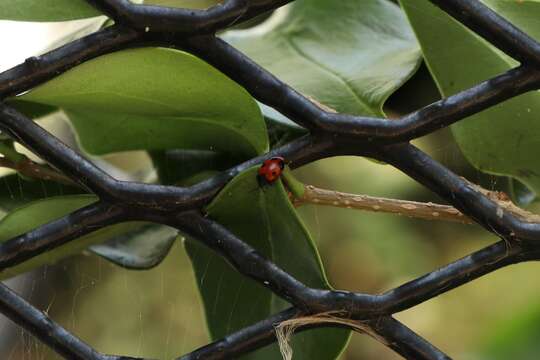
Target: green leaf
column 16, row 191
column 37, row 213
column 502, row 140
column 77, row 31
column 31, row 109
column 46, row 10
column 69, row 34
column 277, row 118
column 40, row 212
column 349, row 56
column 521, row 194
column 155, row 99
column 175, row 166
column 141, row 248
column 281, row 134
column 266, row 220
column 281, row 129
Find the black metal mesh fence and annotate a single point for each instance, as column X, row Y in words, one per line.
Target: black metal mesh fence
column 330, row 134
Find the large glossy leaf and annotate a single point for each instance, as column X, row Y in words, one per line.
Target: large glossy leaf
column 155, row 99
column 349, row 55
column 46, row 10
column 133, row 247
column 500, row 140
column 31, row 109
column 265, row 219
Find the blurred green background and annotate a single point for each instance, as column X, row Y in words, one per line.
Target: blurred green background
column 158, row 313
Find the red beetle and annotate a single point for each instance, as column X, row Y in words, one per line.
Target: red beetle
column 271, row 169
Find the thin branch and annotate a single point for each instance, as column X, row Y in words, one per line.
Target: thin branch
column 27, row 132
column 52, row 150
column 489, row 209
column 34, row 170
column 413, row 209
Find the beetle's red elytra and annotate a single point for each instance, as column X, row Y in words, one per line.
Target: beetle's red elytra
column 271, row 169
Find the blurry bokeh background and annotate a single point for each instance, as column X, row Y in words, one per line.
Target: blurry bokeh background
column 158, row 313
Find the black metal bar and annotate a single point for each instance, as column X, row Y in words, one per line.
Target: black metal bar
column 268, row 89
column 243, row 341
column 386, row 330
column 36, row 70
column 264, row 86
column 298, row 152
column 331, row 134
column 403, row 340
column 244, row 258
column 58, row 232
column 494, row 28
column 459, row 192
column 82, row 171
column 52, row 150
column 150, row 18
column 52, row 334
column 250, row 263
column 457, row 107
column 449, row 277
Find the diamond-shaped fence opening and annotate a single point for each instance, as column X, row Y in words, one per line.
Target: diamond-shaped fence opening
column 330, row 134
